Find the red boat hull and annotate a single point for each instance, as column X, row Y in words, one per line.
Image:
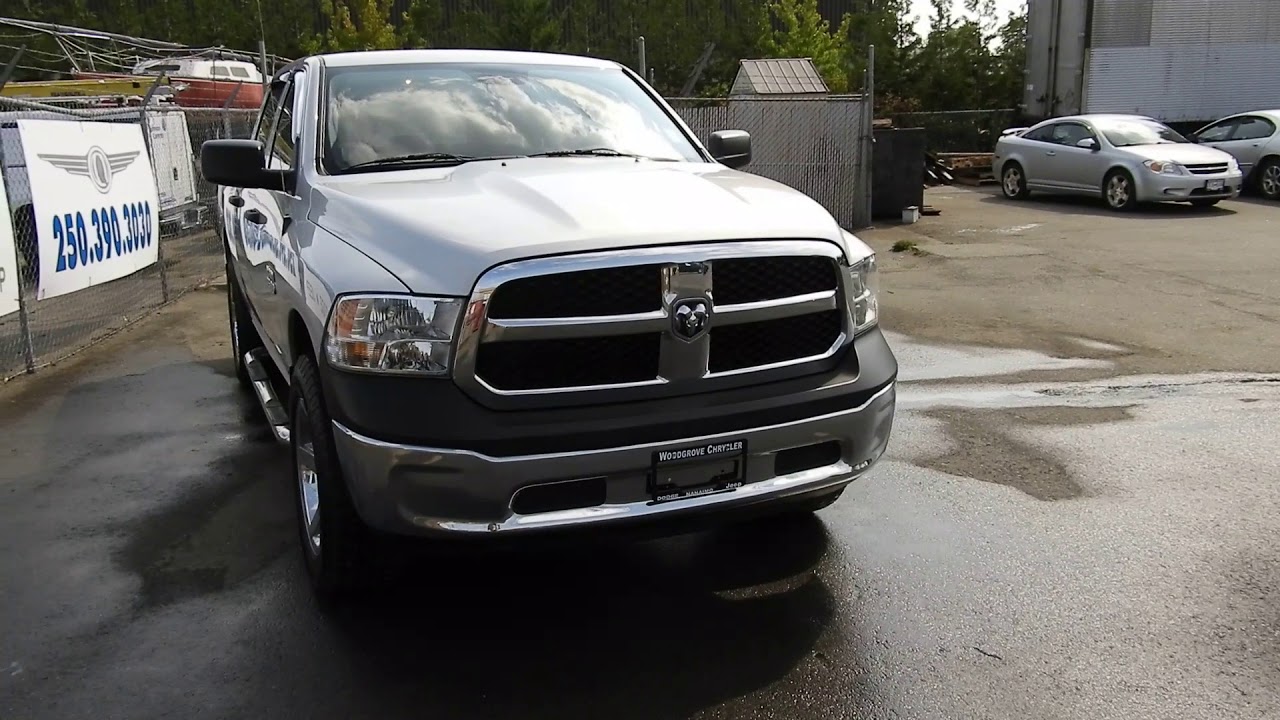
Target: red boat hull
column 203, row 93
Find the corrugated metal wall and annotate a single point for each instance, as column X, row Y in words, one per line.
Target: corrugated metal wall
column 1184, row 60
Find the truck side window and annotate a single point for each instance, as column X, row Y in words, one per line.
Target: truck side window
column 270, row 106
column 283, row 143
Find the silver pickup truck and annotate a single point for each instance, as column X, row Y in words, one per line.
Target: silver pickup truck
column 497, row 294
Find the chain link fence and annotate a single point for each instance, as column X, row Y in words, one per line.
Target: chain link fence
column 958, row 131
column 816, row 145
column 45, row 331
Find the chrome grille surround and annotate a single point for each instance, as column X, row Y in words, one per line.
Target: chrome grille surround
column 687, row 271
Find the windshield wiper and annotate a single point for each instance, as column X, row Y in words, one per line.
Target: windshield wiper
column 434, row 158
column 586, row 152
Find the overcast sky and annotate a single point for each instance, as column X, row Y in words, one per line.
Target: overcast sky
column 923, row 10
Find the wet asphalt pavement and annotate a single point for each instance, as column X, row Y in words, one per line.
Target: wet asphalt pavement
column 1094, row 549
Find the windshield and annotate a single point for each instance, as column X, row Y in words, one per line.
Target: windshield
column 477, row 111
column 1124, row 133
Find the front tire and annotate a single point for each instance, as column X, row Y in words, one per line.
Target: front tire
column 1269, row 179
column 333, row 537
column 1013, row 182
column 1118, row 191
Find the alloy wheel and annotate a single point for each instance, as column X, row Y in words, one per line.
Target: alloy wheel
column 1118, row 191
column 1012, row 182
column 308, row 480
column 1271, row 180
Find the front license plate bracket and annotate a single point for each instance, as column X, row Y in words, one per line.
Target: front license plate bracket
column 697, row 470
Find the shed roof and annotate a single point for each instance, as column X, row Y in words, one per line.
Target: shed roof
column 784, row 76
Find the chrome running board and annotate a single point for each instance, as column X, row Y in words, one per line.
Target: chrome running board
column 277, row 417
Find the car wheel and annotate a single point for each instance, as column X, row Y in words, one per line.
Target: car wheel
column 1013, row 182
column 244, row 337
column 332, row 535
column 1206, row 202
column 1118, row 190
column 1269, row 179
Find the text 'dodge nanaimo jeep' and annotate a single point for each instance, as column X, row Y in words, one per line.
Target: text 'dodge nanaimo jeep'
column 502, row 294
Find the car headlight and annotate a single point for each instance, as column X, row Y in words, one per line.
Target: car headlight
column 393, row 333
column 1165, row 167
column 1232, row 165
column 863, row 293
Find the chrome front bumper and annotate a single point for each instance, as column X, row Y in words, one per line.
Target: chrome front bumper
column 435, row 491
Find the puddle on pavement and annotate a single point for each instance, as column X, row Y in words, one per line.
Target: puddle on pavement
column 983, row 449
column 979, row 420
column 922, row 361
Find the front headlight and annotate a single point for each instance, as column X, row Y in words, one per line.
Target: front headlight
column 1165, row 167
column 1232, row 165
column 863, row 294
column 393, row 333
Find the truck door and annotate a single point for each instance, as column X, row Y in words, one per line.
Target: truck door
column 244, row 219
column 266, row 217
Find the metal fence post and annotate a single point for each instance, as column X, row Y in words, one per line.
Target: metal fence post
column 146, row 139
column 24, row 322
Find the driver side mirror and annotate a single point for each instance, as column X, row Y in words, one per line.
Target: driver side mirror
column 1087, row 144
column 730, row 147
column 241, row 164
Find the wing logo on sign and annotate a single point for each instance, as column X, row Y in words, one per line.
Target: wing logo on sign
column 98, row 165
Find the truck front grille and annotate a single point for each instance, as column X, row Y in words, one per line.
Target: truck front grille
column 553, row 364
column 758, row 344
column 608, row 291
column 605, row 321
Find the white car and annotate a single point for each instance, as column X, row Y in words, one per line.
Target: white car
column 1127, row 159
column 1253, row 139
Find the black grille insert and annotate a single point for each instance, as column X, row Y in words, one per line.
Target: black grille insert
column 552, row 497
column 744, row 280
column 607, row 291
column 534, row 364
column 734, row 347
column 799, row 459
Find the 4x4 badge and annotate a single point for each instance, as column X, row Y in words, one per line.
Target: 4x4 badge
column 689, row 318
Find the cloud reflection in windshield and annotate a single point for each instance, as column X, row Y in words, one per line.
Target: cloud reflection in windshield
column 483, row 111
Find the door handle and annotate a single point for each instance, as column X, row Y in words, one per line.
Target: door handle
column 236, row 201
column 1051, row 153
column 255, row 216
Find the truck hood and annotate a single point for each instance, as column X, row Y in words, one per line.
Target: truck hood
column 1183, row 153
column 439, row 229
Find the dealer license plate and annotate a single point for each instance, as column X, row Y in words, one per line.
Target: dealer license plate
column 698, row 470
column 1215, row 184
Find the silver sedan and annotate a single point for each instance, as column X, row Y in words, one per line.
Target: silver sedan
column 1253, row 139
column 1127, row 159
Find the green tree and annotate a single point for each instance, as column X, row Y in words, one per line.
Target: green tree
column 802, row 32
column 888, row 25
column 356, row 25
column 526, row 25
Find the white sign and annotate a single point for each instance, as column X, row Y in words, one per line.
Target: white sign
column 96, row 208
column 8, row 258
